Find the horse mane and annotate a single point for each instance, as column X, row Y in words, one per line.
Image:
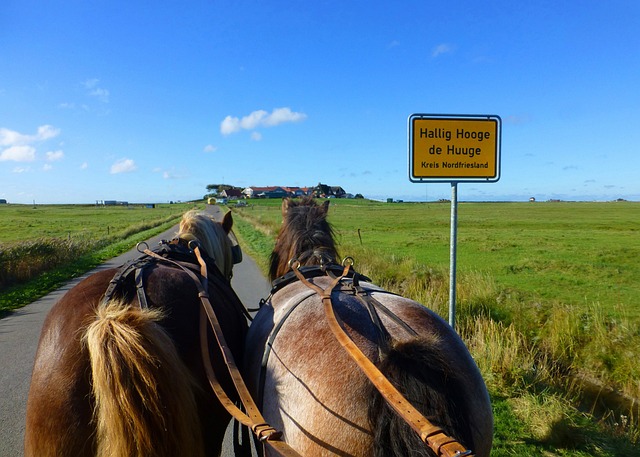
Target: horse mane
column 212, row 236
column 305, row 235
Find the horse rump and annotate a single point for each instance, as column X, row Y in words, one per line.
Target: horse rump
column 144, row 395
column 424, row 377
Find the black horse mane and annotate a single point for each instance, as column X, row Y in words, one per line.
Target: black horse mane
column 305, row 235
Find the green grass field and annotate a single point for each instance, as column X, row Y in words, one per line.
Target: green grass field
column 547, row 295
column 573, row 253
column 41, row 247
column 19, row 223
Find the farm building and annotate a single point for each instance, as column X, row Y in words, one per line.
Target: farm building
column 231, row 194
column 265, row 192
column 321, row 190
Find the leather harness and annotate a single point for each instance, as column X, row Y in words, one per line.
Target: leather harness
column 203, row 271
column 432, row 435
column 177, row 255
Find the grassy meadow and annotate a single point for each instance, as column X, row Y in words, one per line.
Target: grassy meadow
column 42, row 246
column 547, row 303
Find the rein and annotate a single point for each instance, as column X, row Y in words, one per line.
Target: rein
column 432, row 435
column 202, row 274
column 253, row 418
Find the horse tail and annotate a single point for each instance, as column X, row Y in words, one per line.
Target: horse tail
column 144, row 397
column 421, row 373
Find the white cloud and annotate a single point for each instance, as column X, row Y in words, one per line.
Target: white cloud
column 256, row 136
column 84, row 166
column 21, row 170
column 13, row 138
column 94, row 90
column 282, row 115
column 442, row 48
column 260, row 118
column 230, row 125
column 123, row 166
column 10, row 137
column 20, row 146
column 52, row 156
column 100, row 94
column 210, row 148
column 46, row 131
column 171, row 174
column 47, row 167
column 18, row 154
column 254, row 119
column 91, row 83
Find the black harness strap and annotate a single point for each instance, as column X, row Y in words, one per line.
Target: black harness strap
column 177, row 254
column 375, row 305
column 142, row 296
column 119, row 278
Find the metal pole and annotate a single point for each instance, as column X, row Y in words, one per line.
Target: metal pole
column 452, row 255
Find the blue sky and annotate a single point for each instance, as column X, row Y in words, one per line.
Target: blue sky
column 151, row 101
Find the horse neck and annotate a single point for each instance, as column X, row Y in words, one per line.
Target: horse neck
column 306, row 256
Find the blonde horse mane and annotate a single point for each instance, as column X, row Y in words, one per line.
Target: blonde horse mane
column 144, row 396
column 197, row 225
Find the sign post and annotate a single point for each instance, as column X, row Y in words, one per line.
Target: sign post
column 454, row 148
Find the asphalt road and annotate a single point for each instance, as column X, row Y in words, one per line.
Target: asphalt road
column 20, row 331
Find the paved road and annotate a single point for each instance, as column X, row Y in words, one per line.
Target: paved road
column 20, row 330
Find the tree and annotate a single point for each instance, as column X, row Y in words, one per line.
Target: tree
column 215, row 189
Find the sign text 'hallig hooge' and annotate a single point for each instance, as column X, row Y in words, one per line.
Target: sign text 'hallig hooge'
column 443, row 148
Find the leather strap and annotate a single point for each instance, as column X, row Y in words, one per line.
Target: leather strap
column 430, row 434
column 253, row 419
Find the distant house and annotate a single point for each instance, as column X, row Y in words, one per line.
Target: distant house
column 297, row 191
column 114, row 203
column 325, row 191
column 231, row 194
column 338, row 191
column 265, row 192
column 321, row 190
column 3, row 201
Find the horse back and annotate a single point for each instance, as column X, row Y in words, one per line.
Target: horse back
column 315, row 393
column 60, row 405
column 59, row 401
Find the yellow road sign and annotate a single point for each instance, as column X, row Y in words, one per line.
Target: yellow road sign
column 454, row 148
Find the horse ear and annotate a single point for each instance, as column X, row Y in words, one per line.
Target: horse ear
column 325, row 207
column 285, row 206
column 227, row 222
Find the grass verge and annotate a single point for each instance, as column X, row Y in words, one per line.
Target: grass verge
column 537, row 406
column 19, row 295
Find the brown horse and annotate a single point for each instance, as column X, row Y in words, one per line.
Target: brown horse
column 119, row 372
column 313, row 391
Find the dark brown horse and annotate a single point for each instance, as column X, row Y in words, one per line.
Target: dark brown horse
column 315, row 393
column 124, row 376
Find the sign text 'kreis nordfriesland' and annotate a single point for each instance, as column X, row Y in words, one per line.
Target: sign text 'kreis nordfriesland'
column 454, row 148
